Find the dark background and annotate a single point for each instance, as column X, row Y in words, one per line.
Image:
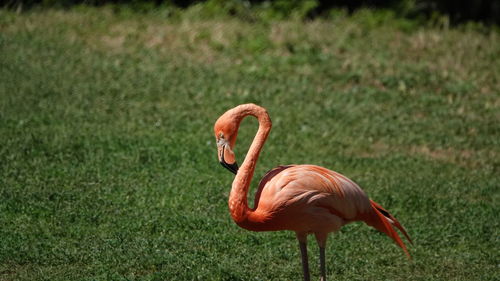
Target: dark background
column 487, row 12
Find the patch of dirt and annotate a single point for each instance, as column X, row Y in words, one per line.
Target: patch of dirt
column 462, row 157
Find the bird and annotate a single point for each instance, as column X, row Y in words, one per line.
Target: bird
column 306, row 199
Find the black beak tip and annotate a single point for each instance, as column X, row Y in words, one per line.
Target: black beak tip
column 233, row 168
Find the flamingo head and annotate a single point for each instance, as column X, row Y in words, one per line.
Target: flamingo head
column 226, row 130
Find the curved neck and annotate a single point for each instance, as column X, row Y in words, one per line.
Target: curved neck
column 238, row 203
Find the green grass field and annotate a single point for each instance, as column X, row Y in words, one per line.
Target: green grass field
column 108, row 165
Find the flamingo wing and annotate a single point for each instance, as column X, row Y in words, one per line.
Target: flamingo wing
column 314, row 186
column 266, row 178
column 309, row 198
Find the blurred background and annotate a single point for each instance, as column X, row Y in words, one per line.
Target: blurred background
column 456, row 11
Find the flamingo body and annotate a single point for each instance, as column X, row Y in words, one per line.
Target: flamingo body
column 306, row 199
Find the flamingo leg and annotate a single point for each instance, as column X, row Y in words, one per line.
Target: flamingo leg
column 305, row 261
column 322, row 263
column 321, row 238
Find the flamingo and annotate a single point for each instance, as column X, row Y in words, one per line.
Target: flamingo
column 306, row 199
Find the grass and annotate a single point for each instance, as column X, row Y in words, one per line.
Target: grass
column 108, row 163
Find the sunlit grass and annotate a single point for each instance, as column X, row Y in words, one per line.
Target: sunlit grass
column 108, row 163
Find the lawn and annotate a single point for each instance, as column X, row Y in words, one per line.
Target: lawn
column 108, row 164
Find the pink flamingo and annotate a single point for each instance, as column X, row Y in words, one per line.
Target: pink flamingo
column 307, row 199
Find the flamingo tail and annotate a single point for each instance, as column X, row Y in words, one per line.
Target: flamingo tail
column 385, row 222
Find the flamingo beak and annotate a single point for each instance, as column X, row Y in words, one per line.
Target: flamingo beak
column 227, row 159
column 231, row 167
